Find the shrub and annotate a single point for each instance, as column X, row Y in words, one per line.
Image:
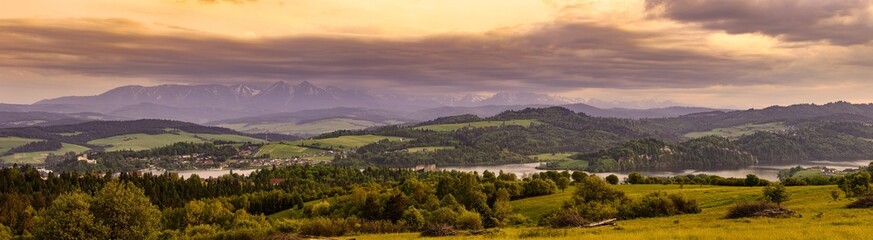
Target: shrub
column 469, row 220
column 325, row 227
column 758, row 209
column 542, row 233
column 659, row 205
column 862, row 202
column 443, row 216
column 438, row 230
column 379, row 227
column 565, row 218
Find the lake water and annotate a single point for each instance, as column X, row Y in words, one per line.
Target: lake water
column 768, row 172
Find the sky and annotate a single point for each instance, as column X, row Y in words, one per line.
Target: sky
column 717, row 53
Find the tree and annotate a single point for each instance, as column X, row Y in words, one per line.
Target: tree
column 752, row 180
column 5, row 232
column 68, row 218
column 562, row 183
column 126, row 210
column 635, row 178
column 775, row 192
column 612, row 179
column 578, row 176
column 856, row 184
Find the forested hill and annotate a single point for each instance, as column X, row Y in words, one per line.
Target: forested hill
column 82, row 133
column 505, row 138
column 808, row 132
column 791, row 115
column 651, row 154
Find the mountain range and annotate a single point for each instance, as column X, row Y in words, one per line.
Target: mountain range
column 284, row 103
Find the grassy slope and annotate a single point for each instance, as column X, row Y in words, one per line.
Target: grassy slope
column 311, row 128
column 39, row 157
column 292, row 149
column 739, row 131
column 834, row 222
column 7, row 143
column 553, row 156
column 456, row 126
column 145, row 141
column 428, row 149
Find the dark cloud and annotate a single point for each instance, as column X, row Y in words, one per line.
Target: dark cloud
column 553, row 57
column 840, row 22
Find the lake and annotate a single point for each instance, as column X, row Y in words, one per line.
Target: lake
column 768, row 172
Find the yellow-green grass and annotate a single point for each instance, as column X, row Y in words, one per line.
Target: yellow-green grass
column 7, row 143
column 39, row 157
column 428, row 149
column 456, row 126
column 286, row 150
column 548, row 157
column 69, row 134
column 314, row 146
column 571, row 164
column 819, row 218
column 739, row 131
column 310, row 128
column 140, row 141
column 345, row 142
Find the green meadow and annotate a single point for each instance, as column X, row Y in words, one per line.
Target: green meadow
column 310, row 128
column 739, row 131
column 39, row 157
column 819, row 217
column 140, row 141
column 481, row 124
column 313, row 146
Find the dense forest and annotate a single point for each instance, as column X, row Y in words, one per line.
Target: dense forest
column 82, row 133
column 386, row 199
column 651, row 154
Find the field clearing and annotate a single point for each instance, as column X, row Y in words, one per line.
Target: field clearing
column 819, row 218
column 739, row 131
column 345, row 142
column 456, row 126
column 548, row 157
column 137, row 142
column 286, row 150
column 314, row 146
column 7, row 143
column 427, row 149
column 39, row 157
column 310, row 128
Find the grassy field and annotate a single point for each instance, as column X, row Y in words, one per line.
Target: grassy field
column 427, row 149
column 548, row 157
column 7, row 143
column 310, row 128
column 313, row 146
column 286, row 150
column 571, row 164
column 739, row 131
column 819, row 218
column 345, row 142
column 456, row 126
column 138, row 142
column 39, row 157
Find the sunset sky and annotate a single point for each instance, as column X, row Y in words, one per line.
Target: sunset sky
column 728, row 53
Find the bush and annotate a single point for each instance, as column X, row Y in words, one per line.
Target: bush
column 325, row 227
column 469, row 220
column 758, row 209
column 862, row 202
column 439, row 230
column 542, row 233
column 565, row 218
column 379, row 227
